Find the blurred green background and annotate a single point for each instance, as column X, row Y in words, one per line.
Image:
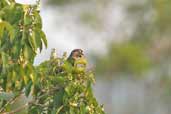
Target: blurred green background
column 127, row 43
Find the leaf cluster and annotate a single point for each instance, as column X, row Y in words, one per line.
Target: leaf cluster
column 64, row 89
column 53, row 87
column 21, row 36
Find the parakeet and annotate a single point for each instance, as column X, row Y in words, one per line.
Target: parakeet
column 75, row 55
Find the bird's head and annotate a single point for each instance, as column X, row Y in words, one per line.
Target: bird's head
column 76, row 54
column 78, row 60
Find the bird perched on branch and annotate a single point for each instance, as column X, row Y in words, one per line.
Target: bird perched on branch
column 75, row 55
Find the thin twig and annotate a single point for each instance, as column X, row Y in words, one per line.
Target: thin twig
column 60, row 108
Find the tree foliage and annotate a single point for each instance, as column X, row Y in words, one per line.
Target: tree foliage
column 127, row 57
column 53, row 87
column 149, row 43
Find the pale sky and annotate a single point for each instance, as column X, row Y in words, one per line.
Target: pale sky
column 65, row 32
column 26, row 1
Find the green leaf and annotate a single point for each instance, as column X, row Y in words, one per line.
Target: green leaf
column 37, row 20
column 27, row 20
column 33, row 78
column 26, row 79
column 58, row 98
column 1, row 29
column 8, row 27
column 60, row 79
column 27, row 53
column 28, row 88
column 4, row 59
column 43, row 36
column 10, row 31
column 38, row 39
column 32, row 42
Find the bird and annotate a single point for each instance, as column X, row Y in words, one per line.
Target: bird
column 74, row 56
column 72, row 62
